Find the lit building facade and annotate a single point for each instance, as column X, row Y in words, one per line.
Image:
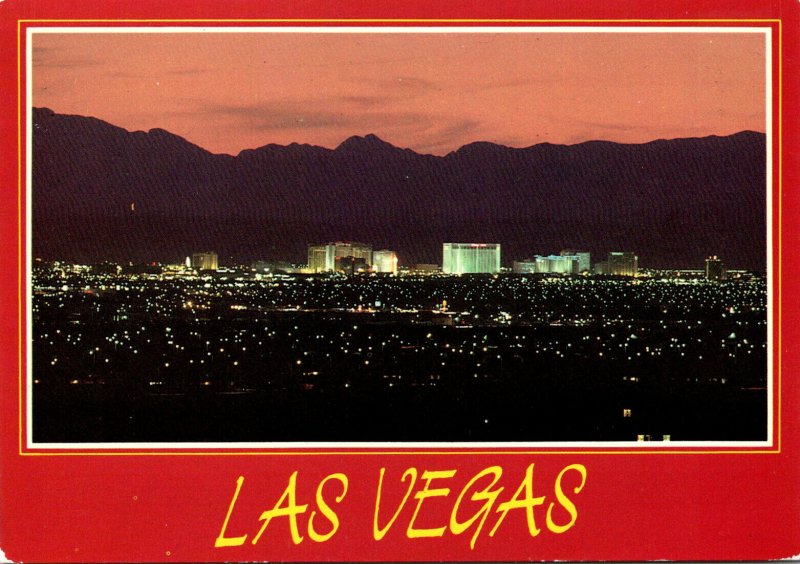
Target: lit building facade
column 524, row 266
column 322, row 258
column 622, row 264
column 471, row 258
column 384, row 261
column 553, row 264
column 559, row 264
column 205, row 261
column 273, row 266
column 715, row 270
column 584, row 259
column 351, row 265
column 426, row 268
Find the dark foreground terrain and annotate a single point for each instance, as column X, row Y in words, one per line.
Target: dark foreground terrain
column 511, row 358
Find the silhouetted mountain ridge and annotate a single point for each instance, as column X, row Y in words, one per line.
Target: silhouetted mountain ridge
column 671, row 201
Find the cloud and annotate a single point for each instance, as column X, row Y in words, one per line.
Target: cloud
column 362, row 101
column 400, row 87
column 342, row 117
column 447, row 138
column 377, row 61
column 53, row 58
column 64, row 63
column 157, row 72
column 309, row 114
column 609, row 126
column 187, row 71
column 508, row 84
column 414, row 84
column 126, row 74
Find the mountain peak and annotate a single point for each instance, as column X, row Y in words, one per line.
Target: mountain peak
column 368, row 142
column 674, row 201
column 481, row 146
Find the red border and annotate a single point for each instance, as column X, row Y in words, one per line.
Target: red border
column 171, row 506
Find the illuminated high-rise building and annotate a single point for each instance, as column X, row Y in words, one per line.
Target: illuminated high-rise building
column 560, row 264
column 351, row 265
column 205, row 261
column 384, row 261
column 715, row 270
column 322, row 258
column 553, row 264
column 471, row 258
column 584, row 259
column 524, row 266
column 355, row 250
column 622, row 264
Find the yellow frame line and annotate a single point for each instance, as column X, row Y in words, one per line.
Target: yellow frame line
column 20, row 258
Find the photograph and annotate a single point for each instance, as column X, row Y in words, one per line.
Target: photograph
column 399, row 235
column 308, row 281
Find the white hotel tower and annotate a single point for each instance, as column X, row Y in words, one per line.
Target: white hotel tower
column 471, row 258
column 384, row 261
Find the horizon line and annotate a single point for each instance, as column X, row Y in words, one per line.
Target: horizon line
column 369, row 136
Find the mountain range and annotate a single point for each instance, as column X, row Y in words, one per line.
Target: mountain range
column 101, row 192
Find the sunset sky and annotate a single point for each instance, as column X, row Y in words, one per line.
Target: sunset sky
column 431, row 92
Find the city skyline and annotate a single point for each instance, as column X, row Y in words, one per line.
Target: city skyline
column 198, row 259
column 124, row 355
column 329, row 259
column 151, row 196
column 431, row 136
column 432, row 92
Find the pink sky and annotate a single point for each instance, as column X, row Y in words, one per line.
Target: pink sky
column 431, row 92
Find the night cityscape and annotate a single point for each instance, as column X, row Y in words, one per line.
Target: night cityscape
column 504, row 236
column 200, row 352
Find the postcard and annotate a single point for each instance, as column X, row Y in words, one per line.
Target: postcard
column 379, row 284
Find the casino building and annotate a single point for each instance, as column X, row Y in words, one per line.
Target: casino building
column 622, row 264
column 715, row 269
column 553, row 264
column 583, row 259
column 205, row 261
column 384, row 261
column 323, row 258
column 471, row 258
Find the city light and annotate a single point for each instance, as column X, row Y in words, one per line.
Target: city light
column 352, row 356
